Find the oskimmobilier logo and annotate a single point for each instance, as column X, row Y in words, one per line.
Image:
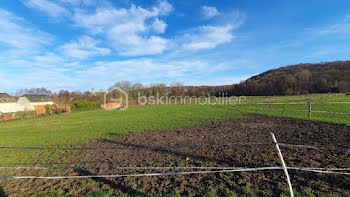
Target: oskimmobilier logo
column 222, row 98
column 122, row 102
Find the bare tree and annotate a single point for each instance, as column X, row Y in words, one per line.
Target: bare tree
column 177, row 89
column 32, row 91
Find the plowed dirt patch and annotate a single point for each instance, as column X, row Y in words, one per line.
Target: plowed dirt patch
column 193, row 146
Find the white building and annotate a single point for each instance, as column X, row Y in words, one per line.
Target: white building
column 24, row 103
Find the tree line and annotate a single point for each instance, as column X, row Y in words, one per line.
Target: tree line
column 331, row 77
column 132, row 89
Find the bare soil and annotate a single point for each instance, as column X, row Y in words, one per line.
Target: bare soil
column 145, row 151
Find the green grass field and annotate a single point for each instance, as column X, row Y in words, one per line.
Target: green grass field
column 76, row 129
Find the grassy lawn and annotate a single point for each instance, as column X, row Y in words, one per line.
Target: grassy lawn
column 76, row 129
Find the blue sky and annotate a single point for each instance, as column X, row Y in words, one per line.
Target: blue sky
column 84, row 44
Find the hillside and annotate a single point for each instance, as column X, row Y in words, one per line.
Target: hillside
column 298, row 79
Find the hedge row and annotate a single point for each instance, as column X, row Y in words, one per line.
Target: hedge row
column 83, row 105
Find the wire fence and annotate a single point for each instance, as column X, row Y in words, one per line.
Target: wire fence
column 185, row 170
column 180, row 147
column 317, row 170
column 143, row 147
column 159, row 168
column 307, row 109
column 166, row 148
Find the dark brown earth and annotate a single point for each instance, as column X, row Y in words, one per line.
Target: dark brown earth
column 252, row 128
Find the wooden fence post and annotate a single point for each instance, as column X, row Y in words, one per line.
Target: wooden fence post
column 309, row 110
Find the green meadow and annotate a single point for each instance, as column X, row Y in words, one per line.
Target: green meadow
column 77, row 129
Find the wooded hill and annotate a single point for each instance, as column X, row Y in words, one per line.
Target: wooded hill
column 298, row 79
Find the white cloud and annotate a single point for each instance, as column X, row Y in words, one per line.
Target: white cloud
column 49, row 7
column 163, row 8
column 62, row 74
column 134, row 45
column 129, row 30
column 207, row 37
column 85, row 47
column 81, row 3
column 159, row 26
column 218, row 80
column 143, row 69
column 15, row 33
column 133, row 31
column 74, row 2
column 53, row 79
column 337, row 28
column 209, row 12
column 107, row 72
column 47, row 60
column 211, row 36
column 192, row 72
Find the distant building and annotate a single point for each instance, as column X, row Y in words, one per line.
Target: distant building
column 111, row 106
column 9, row 104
